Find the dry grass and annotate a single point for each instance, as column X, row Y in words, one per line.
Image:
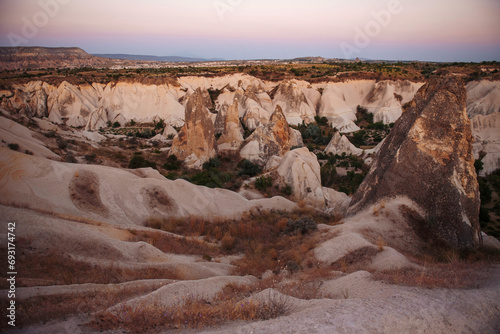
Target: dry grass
column 445, row 268
column 43, row 309
column 261, row 238
column 54, row 268
column 193, row 313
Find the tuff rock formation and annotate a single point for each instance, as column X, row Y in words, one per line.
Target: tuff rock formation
column 340, row 144
column 383, row 99
column 195, row 143
column 232, row 137
column 428, row 158
column 483, row 108
column 271, row 139
column 298, row 103
column 300, row 170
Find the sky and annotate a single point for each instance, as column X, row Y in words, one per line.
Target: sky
column 432, row 30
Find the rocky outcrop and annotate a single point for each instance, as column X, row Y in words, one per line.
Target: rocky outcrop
column 169, row 131
column 232, row 137
column 97, row 119
column 274, row 138
column 340, row 144
column 483, row 98
column 300, row 170
column 386, row 99
column 294, row 101
column 383, row 99
column 483, row 108
column 195, row 143
column 428, row 158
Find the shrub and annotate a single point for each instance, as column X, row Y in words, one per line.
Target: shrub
column 479, row 165
column 321, row 121
column 328, row 175
column 138, row 161
column 211, row 178
column 287, row 190
column 159, row 125
column 116, row 125
column 263, row 182
column 212, row 163
column 303, row 226
column 227, row 242
column 90, row 157
column 62, row 144
column 485, row 192
column 312, row 131
column 13, row 147
column 172, row 163
column 249, row 168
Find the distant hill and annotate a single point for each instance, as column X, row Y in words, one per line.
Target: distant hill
column 176, row 59
column 12, row 58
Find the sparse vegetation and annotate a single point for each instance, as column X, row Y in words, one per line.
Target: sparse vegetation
column 138, row 161
column 13, row 146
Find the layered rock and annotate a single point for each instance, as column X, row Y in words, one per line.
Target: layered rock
column 274, row 138
column 294, row 101
column 340, row 144
column 232, row 137
column 486, row 130
column 483, row 108
column 300, row 169
column 384, row 99
column 195, row 143
column 428, row 158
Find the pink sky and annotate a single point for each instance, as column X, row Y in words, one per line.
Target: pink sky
column 455, row 30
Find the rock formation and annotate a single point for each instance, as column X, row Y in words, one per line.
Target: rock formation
column 297, row 107
column 169, row 131
column 483, row 108
column 340, row 144
column 428, row 158
column 271, row 139
column 384, row 99
column 300, row 170
column 232, row 137
column 195, row 143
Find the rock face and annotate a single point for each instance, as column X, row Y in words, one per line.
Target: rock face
column 300, row 169
column 384, row 99
column 274, row 138
column 340, row 144
column 296, row 104
column 483, row 108
column 232, row 137
column 195, row 143
column 428, row 158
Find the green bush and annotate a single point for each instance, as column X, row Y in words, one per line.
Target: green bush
column 172, row 163
column 287, row 190
column 138, row 161
column 301, row 226
column 212, row 163
column 116, row 125
column 249, row 168
column 211, row 178
column 13, row 146
column 328, row 175
column 263, row 182
column 485, row 192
